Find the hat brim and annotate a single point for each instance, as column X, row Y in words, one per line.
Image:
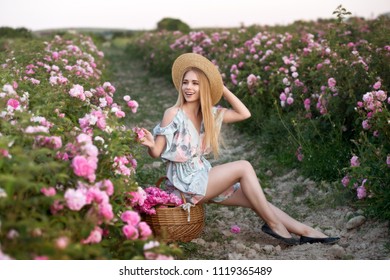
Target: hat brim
column 187, row 60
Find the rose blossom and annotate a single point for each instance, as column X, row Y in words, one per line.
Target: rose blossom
column 140, row 133
column 345, row 181
column 235, row 229
column 251, row 80
column 361, row 190
column 84, row 168
column 13, row 103
column 133, row 105
column 105, row 211
column 48, row 191
column 75, row 199
column 366, row 125
column 377, row 85
column 152, row 255
column 130, row 232
column 331, row 82
column 145, row 230
column 138, row 197
column 355, row 161
column 306, row 104
column 94, row 237
column 62, row 242
column 131, row 217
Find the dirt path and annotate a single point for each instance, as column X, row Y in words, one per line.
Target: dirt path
column 361, row 238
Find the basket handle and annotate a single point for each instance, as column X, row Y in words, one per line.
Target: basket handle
column 159, row 181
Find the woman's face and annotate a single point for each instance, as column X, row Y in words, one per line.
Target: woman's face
column 190, row 87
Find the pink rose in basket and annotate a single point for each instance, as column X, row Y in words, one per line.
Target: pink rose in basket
column 146, row 201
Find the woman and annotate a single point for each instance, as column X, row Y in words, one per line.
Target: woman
column 190, row 129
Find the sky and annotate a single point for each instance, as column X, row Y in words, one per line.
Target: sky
column 144, row 14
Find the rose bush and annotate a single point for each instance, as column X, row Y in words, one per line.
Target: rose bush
column 66, row 160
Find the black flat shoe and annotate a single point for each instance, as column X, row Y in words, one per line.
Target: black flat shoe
column 289, row 241
column 324, row 240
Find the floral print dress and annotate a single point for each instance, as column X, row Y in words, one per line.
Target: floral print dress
column 187, row 168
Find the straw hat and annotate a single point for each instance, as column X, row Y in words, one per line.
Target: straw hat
column 187, row 60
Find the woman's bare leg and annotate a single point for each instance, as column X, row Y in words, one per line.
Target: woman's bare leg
column 292, row 225
column 251, row 195
column 224, row 176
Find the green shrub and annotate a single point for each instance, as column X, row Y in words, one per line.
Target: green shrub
column 172, row 24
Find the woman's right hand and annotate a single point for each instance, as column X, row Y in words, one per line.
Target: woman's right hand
column 148, row 139
column 239, row 111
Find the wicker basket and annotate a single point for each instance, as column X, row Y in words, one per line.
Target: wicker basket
column 171, row 223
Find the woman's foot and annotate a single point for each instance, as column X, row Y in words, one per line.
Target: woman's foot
column 324, row 240
column 287, row 240
column 314, row 236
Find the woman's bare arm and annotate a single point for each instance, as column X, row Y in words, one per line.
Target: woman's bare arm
column 239, row 111
column 157, row 145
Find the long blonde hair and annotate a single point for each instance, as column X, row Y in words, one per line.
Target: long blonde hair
column 212, row 130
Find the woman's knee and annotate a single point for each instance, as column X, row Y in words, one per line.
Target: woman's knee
column 245, row 166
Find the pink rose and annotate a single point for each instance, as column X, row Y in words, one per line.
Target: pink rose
column 109, row 100
column 133, row 105
column 345, row 181
column 235, row 229
column 138, row 197
column 56, row 207
column 131, row 217
column 251, row 80
column 366, row 125
column 120, row 114
column 55, row 55
column 140, row 132
column 331, row 82
column 84, row 168
column 144, row 230
column 355, row 161
column 94, row 237
column 77, row 91
column 108, row 187
column 361, row 190
column 13, row 103
column 75, row 199
column 48, row 191
column 96, row 195
column 130, row 232
column 105, row 210
column 62, row 242
column 306, row 104
column 5, row 153
column 56, row 142
column 377, row 85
